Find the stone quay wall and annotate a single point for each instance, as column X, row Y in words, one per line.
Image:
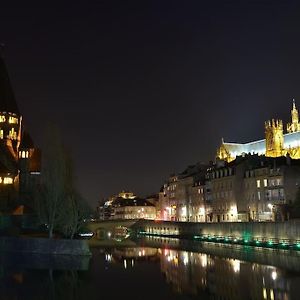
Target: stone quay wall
column 44, row 246
column 277, row 231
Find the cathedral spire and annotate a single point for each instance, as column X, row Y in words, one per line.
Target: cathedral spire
column 7, row 98
column 294, row 126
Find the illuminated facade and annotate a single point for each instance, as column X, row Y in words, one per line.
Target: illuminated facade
column 182, row 197
column 126, row 205
column 275, row 144
column 19, row 159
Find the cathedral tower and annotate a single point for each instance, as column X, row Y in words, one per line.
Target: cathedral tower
column 274, row 138
column 295, row 125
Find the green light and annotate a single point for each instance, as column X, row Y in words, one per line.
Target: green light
column 270, row 243
column 246, row 241
column 257, row 242
column 298, row 245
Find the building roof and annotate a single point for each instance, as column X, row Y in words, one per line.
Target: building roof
column 3, row 169
column 291, row 140
column 26, row 142
column 7, row 98
column 35, row 161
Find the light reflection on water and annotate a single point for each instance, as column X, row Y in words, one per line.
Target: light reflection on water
column 215, row 277
column 165, row 272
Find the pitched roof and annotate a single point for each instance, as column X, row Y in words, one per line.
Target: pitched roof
column 27, row 142
column 3, row 169
column 7, row 99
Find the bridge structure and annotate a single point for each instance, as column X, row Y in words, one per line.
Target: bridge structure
column 108, row 228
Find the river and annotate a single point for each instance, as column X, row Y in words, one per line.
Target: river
column 154, row 268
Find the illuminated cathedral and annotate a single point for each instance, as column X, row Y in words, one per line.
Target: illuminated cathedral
column 19, row 159
column 276, row 142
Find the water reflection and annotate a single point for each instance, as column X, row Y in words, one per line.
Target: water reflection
column 196, row 273
column 213, row 277
column 165, row 272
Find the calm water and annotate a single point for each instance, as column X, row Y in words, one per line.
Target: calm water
column 154, row 269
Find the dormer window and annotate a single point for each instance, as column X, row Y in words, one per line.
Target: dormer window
column 12, row 120
column 12, row 134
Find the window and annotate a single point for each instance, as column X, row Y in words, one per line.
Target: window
column 1, row 134
column 258, row 195
column 7, row 180
column 2, row 119
column 13, row 134
column 265, row 182
column 258, row 183
column 12, row 120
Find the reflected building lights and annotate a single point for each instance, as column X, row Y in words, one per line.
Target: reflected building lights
column 226, row 278
column 274, row 275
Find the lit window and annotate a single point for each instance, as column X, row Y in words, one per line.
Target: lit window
column 2, row 119
column 265, row 182
column 258, row 183
column 12, row 134
column 27, row 154
column 12, row 120
column 7, row 180
column 1, row 134
column 0, row 179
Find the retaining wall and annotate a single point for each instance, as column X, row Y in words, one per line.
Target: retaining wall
column 289, row 230
column 44, row 246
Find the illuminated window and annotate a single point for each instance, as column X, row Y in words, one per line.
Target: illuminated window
column 0, row 179
column 7, row 180
column 1, row 134
column 27, row 154
column 258, row 183
column 2, row 119
column 12, row 120
column 12, row 134
column 265, row 182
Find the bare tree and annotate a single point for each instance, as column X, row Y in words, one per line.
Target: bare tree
column 59, row 204
column 50, row 194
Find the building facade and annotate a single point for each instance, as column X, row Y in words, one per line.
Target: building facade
column 182, row 197
column 19, row 159
column 126, row 205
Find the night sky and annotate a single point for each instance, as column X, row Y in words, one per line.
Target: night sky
column 141, row 89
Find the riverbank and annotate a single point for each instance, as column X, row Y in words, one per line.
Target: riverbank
column 44, row 246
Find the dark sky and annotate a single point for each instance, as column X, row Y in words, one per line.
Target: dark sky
column 141, row 89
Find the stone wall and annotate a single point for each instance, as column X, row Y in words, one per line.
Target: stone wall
column 44, row 246
column 289, row 230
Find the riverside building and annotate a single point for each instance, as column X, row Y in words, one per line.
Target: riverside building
column 257, row 181
column 19, row 158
